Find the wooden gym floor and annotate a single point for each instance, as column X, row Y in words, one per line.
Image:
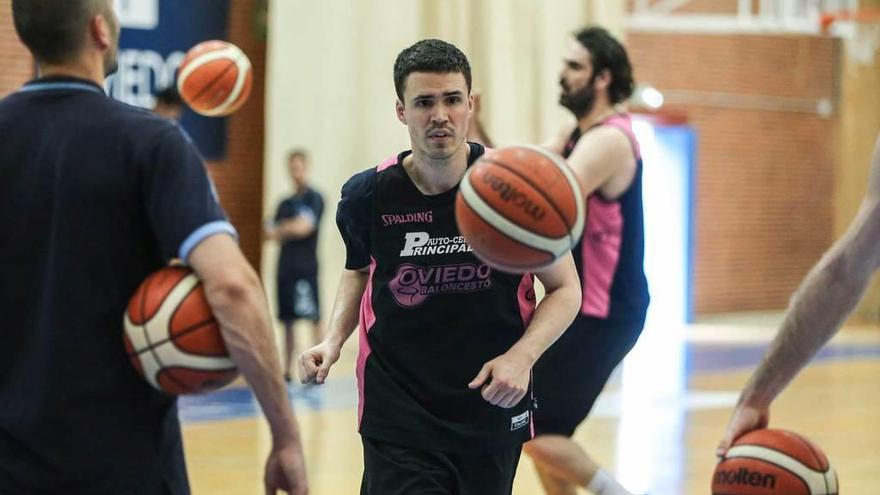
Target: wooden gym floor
column 658, row 441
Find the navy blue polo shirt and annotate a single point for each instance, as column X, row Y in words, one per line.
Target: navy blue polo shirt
column 299, row 257
column 94, row 196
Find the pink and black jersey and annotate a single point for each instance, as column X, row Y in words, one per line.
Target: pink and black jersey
column 431, row 316
column 610, row 256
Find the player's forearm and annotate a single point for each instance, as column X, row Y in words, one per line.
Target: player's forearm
column 296, row 228
column 240, row 309
column 552, row 316
column 817, row 310
column 346, row 307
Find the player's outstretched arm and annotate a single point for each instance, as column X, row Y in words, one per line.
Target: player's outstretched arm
column 237, row 300
column 817, row 310
column 505, row 379
column 315, row 363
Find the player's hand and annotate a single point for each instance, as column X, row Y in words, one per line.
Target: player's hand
column 745, row 419
column 286, row 471
column 505, row 379
column 315, row 363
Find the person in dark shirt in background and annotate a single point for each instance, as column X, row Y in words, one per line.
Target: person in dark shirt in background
column 295, row 227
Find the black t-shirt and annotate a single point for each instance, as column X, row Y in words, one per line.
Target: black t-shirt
column 94, row 196
column 299, row 257
column 431, row 316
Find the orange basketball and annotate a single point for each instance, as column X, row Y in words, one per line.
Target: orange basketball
column 171, row 335
column 215, row 78
column 520, row 208
column 774, row 462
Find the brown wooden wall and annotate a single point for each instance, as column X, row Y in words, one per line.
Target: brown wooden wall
column 764, row 179
column 239, row 178
column 14, row 58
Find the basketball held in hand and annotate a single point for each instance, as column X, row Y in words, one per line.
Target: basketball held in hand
column 774, row 462
column 171, row 336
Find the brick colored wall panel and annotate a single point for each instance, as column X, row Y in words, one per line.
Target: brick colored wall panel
column 239, row 178
column 17, row 64
column 764, row 183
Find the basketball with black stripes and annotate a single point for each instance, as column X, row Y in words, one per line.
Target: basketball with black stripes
column 215, row 78
column 172, row 337
column 520, row 208
column 774, row 462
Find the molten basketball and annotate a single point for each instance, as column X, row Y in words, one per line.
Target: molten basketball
column 774, row 462
column 215, row 78
column 171, row 336
column 520, row 208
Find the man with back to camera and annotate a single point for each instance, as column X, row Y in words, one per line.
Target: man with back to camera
column 99, row 195
column 295, row 227
column 817, row 310
column 445, row 363
column 602, row 150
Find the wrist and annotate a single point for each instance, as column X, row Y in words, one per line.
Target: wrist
column 334, row 340
column 523, row 351
column 285, row 434
column 752, row 399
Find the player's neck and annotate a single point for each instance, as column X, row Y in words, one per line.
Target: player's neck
column 601, row 111
column 436, row 176
column 79, row 69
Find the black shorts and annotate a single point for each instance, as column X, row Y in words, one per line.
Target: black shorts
column 298, row 298
column 391, row 469
column 572, row 373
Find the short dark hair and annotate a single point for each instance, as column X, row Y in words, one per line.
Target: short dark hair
column 55, row 30
column 430, row 55
column 169, row 96
column 608, row 53
column 298, row 153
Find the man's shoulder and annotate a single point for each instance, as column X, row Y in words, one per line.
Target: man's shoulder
column 364, row 182
column 144, row 121
column 314, row 194
column 101, row 116
column 361, row 181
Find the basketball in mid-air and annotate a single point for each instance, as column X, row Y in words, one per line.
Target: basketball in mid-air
column 215, row 78
column 520, row 208
column 774, row 462
column 171, row 336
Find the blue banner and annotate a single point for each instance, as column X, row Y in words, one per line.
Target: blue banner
column 155, row 37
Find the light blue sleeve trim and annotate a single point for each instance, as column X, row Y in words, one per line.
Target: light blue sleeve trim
column 202, row 233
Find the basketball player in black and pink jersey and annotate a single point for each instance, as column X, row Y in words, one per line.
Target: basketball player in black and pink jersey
column 601, row 149
column 447, row 344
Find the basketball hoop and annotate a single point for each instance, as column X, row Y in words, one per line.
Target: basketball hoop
column 859, row 28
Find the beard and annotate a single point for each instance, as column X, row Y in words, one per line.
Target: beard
column 579, row 102
column 111, row 62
